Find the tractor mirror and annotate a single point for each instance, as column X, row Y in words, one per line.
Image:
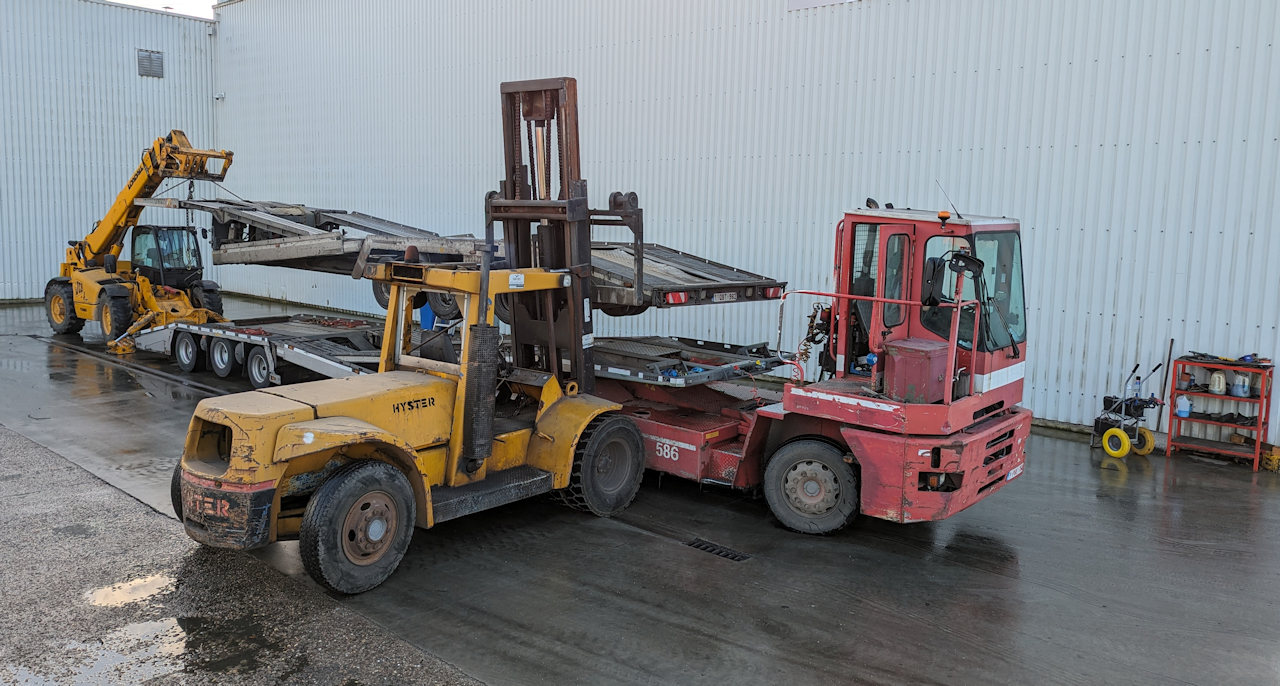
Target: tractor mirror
column 934, row 276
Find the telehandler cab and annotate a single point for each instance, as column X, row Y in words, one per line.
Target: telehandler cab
column 163, row 283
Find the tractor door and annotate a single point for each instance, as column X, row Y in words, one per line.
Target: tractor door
column 888, row 321
column 167, row 256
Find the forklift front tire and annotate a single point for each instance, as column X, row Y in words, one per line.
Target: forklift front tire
column 607, row 467
column 1146, row 442
column 357, row 527
column 175, row 490
column 1116, row 443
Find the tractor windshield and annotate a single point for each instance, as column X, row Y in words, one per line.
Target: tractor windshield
column 1003, row 320
column 178, row 249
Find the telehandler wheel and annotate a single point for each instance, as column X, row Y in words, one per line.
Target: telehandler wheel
column 60, row 308
column 607, row 467
column 175, row 490
column 357, row 527
column 257, row 366
column 810, row 488
column 115, row 314
column 222, row 357
column 1116, row 443
column 1146, row 442
column 208, row 299
column 186, row 351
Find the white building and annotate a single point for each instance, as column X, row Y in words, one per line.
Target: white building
column 1138, row 141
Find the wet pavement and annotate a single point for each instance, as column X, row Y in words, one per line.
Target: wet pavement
column 1150, row 570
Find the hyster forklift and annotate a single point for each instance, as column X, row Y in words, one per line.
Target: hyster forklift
column 163, row 283
column 350, row 466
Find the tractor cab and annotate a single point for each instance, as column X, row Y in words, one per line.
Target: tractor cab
column 928, row 310
column 167, row 256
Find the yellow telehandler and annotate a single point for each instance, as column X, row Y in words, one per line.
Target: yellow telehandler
column 163, row 283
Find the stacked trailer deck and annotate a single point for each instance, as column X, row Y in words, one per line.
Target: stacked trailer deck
column 628, row 277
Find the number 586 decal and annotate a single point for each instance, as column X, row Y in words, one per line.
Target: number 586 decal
column 668, row 449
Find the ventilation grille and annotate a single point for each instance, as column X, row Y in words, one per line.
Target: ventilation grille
column 151, row 63
column 717, row 549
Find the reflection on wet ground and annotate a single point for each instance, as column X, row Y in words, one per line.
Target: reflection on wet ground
column 1085, row 570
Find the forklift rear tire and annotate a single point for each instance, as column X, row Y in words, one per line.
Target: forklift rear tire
column 357, row 527
column 607, row 467
column 810, row 488
column 257, row 366
column 60, row 308
column 115, row 314
column 1146, row 442
column 222, row 357
column 175, row 490
column 186, row 352
column 1116, row 443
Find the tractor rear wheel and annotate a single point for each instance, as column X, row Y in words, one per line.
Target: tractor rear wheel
column 607, row 467
column 810, row 488
column 357, row 527
column 115, row 314
column 60, row 308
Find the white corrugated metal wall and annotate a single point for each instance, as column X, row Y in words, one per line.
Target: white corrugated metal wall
column 75, row 116
column 1137, row 141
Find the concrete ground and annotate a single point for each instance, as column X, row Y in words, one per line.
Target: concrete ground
column 1082, row 571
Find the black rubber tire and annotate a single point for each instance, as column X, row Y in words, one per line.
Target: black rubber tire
column 69, row 323
column 175, row 490
column 208, row 299
column 321, row 532
column 381, row 293
column 444, row 306
column 222, row 357
column 187, row 353
column 257, row 366
column 829, row 463
column 502, row 308
column 115, row 313
column 607, row 467
column 623, row 310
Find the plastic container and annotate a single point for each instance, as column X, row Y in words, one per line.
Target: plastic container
column 1218, row 383
column 1135, row 387
column 1240, row 387
column 1182, row 406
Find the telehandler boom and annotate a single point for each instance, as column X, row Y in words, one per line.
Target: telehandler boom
column 163, row 283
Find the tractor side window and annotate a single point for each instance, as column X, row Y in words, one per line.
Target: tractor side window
column 866, row 254
column 145, row 252
column 938, row 318
column 1001, row 255
column 895, row 275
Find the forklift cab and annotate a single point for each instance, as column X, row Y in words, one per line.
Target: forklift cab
column 167, row 256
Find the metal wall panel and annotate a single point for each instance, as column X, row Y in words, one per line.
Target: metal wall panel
column 75, row 116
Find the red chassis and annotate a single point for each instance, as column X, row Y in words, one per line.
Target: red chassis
column 915, row 422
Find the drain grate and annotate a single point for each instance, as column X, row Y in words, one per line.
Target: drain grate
column 717, row 549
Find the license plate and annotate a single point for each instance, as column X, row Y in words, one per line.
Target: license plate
column 723, row 297
column 1013, row 473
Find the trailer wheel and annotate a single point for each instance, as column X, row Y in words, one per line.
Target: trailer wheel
column 1116, row 443
column 810, row 488
column 607, row 467
column 175, row 490
column 115, row 314
column 186, row 351
column 381, row 293
column 357, row 527
column 444, row 306
column 60, row 308
column 222, row 357
column 257, row 366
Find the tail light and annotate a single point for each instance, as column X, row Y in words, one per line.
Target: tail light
column 773, row 293
column 677, row 298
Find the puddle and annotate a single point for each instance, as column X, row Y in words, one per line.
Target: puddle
column 130, row 591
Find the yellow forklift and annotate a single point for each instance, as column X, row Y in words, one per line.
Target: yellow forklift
column 163, row 283
column 351, row 466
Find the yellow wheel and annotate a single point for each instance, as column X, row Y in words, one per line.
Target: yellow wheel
column 1146, row 442
column 58, row 309
column 1116, row 443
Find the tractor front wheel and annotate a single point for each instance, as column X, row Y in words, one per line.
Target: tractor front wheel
column 357, row 527
column 115, row 314
column 810, row 487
